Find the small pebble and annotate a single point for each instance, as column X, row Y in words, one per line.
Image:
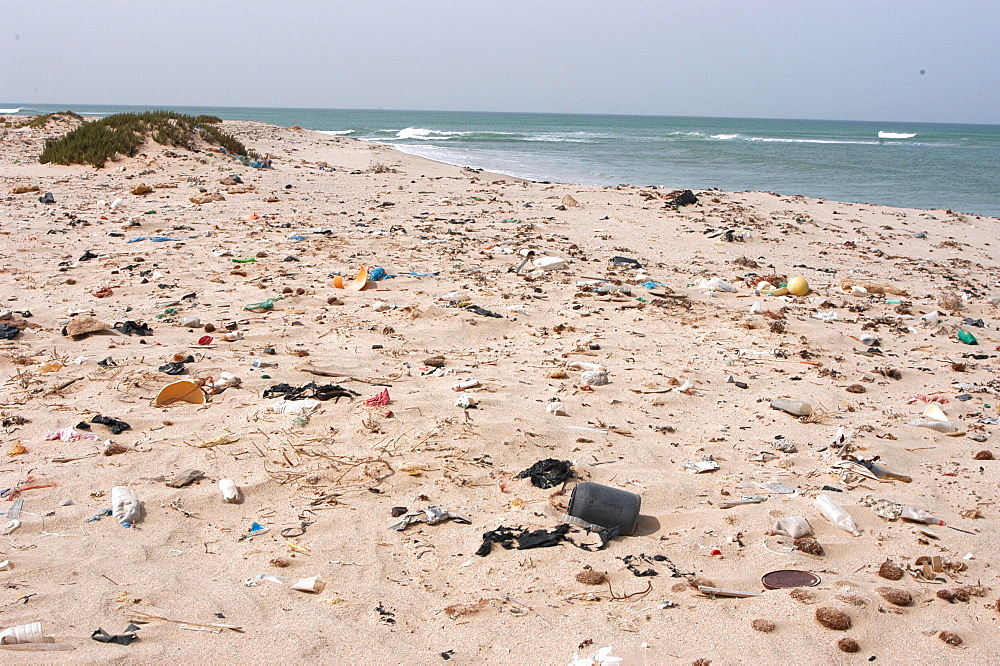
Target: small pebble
column 983, row 455
column 953, row 595
column 590, row 577
column 809, row 545
column 763, row 626
column 832, row 618
column 890, row 571
column 847, row 644
column 896, row 597
column 66, row 502
column 855, row 388
column 950, row 638
column 209, row 328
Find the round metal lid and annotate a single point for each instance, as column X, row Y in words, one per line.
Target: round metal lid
column 789, row 578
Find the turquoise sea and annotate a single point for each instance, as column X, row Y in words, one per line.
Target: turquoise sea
column 915, row 165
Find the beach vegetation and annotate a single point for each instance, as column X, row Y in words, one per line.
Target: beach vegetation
column 98, row 141
column 43, row 120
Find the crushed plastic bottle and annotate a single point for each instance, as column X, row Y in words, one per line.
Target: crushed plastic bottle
column 793, row 526
column 919, row 516
column 125, row 506
column 836, row 515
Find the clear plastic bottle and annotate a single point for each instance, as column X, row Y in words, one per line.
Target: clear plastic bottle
column 125, row 506
column 940, row 426
column 836, row 514
column 884, row 473
column 919, row 516
column 793, row 526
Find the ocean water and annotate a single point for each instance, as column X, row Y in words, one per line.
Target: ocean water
column 914, row 165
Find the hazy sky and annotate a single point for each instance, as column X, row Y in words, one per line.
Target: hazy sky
column 847, row 60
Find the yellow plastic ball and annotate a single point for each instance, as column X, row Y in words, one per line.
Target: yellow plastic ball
column 798, row 286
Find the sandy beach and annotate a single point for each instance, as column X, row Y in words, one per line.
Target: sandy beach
column 693, row 351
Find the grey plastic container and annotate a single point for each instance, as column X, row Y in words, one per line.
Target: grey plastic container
column 605, row 506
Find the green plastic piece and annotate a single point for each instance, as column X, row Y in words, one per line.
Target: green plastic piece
column 244, row 261
column 169, row 312
column 967, row 338
column 263, row 306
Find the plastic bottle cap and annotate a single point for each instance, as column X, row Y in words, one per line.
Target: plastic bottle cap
column 126, row 524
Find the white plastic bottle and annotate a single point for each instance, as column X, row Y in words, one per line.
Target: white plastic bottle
column 230, row 492
column 125, row 506
column 836, row 515
column 919, row 516
column 793, row 526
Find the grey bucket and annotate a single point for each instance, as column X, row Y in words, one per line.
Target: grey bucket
column 605, row 506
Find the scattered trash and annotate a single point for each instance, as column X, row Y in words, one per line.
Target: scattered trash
column 604, row 506
column 794, row 526
column 311, row 390
column 124, row 638
column 25, row 633
column 117, row 427
column 706, row 464
column 548, row 473
column 380, row 400
column 786, row 578
column 230, row 492
column 182, row 391
column 125, row 506
column 432, row 515
column 836, row 514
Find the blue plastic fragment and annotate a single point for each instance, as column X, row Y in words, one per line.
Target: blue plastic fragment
column 155, row 239
column 377, row 273
column 106, row 512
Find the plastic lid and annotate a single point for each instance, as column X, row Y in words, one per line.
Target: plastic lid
column 789, row 578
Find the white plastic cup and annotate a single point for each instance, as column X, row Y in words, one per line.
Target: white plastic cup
column 23, row 633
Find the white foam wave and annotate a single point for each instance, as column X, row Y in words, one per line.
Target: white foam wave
column 17, row 110
column 335, row 132
column 575, row 137
column 426, row 134
column 896, row 135
column 689, row 134
column 773, row 139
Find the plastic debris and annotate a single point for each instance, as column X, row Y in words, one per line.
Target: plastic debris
column 548, row 473
column 380, row 400
column 706, row 464
column 432, row 515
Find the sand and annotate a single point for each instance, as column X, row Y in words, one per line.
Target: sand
column 692, row 373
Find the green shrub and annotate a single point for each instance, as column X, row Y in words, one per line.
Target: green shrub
column 101, row 140
column 42, row 121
